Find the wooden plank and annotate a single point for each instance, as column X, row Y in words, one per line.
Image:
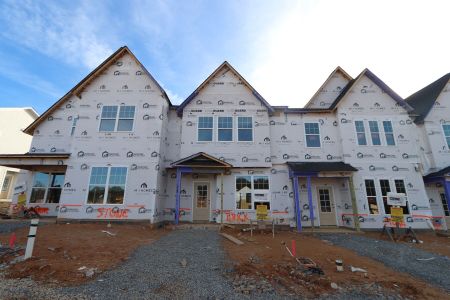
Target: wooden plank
column 232, row 238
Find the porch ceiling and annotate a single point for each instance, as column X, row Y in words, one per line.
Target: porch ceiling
column 441, row 173
column 35, row 161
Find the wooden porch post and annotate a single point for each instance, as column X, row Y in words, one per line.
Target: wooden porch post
column 354, row 205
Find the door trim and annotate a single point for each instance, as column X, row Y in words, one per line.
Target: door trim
column 333, row 202
column 194, row 196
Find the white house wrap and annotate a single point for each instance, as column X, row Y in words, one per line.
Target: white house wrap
column 115, row 148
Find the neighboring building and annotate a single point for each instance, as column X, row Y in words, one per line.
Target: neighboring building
column 114, row 147
column 432, row 109
column 13, row 140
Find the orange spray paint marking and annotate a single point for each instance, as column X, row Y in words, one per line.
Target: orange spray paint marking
column 12, row 240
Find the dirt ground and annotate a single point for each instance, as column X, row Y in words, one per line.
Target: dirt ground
column 431, row 242
column 62, row 249
column 266, row 257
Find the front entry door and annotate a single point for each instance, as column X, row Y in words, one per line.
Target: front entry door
column 327, row 212
column 201, row 201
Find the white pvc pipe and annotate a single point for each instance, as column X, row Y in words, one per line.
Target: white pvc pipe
column 31, row 237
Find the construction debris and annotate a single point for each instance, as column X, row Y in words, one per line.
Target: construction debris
column 232, row 238
column 183, row 262
column 353, row 269
column 425, row 259
column 109, row 233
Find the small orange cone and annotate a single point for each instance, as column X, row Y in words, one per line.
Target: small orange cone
column 12, row 240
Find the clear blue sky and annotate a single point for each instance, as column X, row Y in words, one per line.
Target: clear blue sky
column 285, row 49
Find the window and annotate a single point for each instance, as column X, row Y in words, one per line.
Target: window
column 360, row 133
column 375, row 133
column 205, row 129
column 6, row 183
column 312, row 134
column 372, row 197
column 225, row 129
column 252, row 188
column 243, row 192
column 107, row 185
column 111, row 121
column 446, row 129
column 46, row 188
column 400, row 188
column 445, row 205
column 385, row 188
column 74, row 125
column 389, row 133
column 245, row 129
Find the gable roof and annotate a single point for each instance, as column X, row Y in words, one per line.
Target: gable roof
column 201, row 159
column 337, row 70
column 213, row 74
column 423, row 100
column 78, row 89
column 383, row 86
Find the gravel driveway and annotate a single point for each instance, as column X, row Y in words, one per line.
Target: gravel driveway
column 7, row 226
column 398, row 256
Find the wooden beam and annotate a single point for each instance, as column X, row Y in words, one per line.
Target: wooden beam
column 232, row 238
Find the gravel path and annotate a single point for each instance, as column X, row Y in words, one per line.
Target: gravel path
column 155, row 271
column 398, row 256
column 7, row 226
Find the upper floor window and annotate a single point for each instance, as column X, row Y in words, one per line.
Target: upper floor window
column 74, row 125
column 117, row 118
column 245, row 129
column 375, row 133
column 389, row 133
column 360, row 133
column 46, row 187
column 205, row 129
column 312, row 134
column 225, row 129
column 446, row 129
column 107, row 185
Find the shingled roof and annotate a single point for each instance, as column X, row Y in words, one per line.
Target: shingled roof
column 422, row 101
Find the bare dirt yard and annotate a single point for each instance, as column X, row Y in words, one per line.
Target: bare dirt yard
column 262, row 257
column 71, row 254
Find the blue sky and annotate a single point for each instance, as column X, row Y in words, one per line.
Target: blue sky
column 285, row 49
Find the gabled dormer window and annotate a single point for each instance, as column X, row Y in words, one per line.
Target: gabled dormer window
column 389, row 133
column 117, row 118
column 375, row 133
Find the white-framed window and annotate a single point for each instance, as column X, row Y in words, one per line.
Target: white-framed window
column 107, row 185
column 400, row 188
column 446, row 129
column 6, row 183
column 312, row 135
column 117, row 118
column 371, row 194
column 375, row 133
column 245, row 129
column 360, row 133
column 389, row 133
column 205, row 129
column 252, row 191
column 225, row 129
column 385, row 187
column 46, row 187
column 74, row 125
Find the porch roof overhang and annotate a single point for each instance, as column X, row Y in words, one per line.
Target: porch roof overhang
column 438, row 175
column 201, row 160
column 320, row 169
column 35, row 161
